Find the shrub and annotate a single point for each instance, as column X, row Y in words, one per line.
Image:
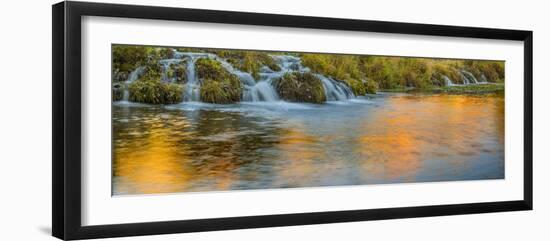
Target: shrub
column 128, row 57
column 357, row 86
column 300, row 87
column 370, row 86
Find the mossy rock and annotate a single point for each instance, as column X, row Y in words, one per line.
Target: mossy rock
column 120, row 76
column 218, row 85
column 180, row 71
column 209, row 69
column 220, row 92
column 118, row 91
column 151, row 90
column 300, row 87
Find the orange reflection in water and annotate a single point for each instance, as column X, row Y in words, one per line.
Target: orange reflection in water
column 298, row 155
column 150, row 165
column 399, row 137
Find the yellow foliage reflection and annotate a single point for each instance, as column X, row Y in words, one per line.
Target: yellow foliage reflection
column 398, row 138
column 151, row 166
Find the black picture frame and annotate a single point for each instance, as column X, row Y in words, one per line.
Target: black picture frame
column 66, row 127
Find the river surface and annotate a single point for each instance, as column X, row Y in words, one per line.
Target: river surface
column 380, row 139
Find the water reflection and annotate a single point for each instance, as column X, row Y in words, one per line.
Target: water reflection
column 388, row 139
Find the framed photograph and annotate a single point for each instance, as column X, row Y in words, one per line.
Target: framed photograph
column 170, row 120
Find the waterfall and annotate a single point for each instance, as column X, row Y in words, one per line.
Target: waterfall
column 254, row 91
column 133, row 76
column 335, row 90
column 468, row 78
column 166, row 63
column 192, row 88
column 262, row 91
column 246, row 78
column 448, row 81
column 483, row 79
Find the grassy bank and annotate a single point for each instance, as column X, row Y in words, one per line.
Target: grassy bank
column 492, row 88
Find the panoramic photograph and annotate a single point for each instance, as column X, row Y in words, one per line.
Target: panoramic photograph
column 188, row 119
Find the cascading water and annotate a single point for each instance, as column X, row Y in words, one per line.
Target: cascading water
column 192, row 87
column 468, row 78
column 448, row 81
column 262, row 91
column 165, row 64
column 483, row 79
column 335, row 90
column 133, row 76
column 254, row 91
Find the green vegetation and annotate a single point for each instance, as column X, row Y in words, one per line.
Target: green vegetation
column 217, row 84
column 149, row 89
column 398, row 72
column 371, row 87
column 300, row 87
column 177, row 72
column 248, row 61
column 363, row 74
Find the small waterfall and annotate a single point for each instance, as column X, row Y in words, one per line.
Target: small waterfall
column 448, row 81
column 468, row 77
column 483, row 79
column 166, row 64
column 246, row 78
column 262, row 91
column 335, row 90
column 133, row 76
column 192, row 87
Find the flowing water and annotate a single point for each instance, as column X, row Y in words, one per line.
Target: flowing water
column 267, row 143
column 133, row 76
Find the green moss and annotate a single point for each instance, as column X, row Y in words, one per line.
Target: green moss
column 217, row 84
column 300, row 87
column 149, row 89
